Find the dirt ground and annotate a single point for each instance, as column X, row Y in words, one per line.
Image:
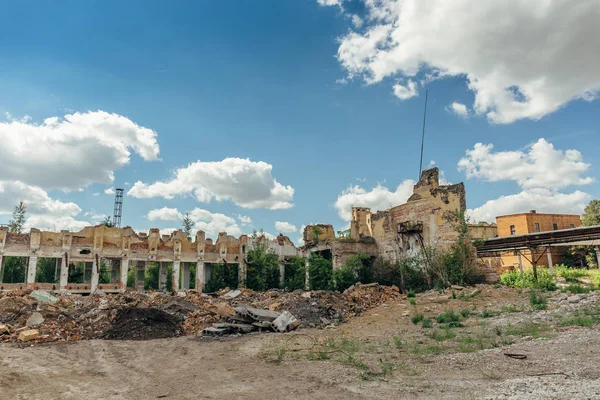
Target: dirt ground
column 380, row 354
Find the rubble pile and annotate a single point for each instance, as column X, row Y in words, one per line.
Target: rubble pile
column 40, row 316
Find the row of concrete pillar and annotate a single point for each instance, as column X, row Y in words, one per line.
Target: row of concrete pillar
column 180, row 273
column 549, row 256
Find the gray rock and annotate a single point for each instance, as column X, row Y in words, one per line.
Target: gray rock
column 574, row 299
column 35, row 319
column 43, row 296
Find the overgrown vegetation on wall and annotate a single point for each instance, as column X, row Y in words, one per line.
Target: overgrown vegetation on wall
column 357, row 269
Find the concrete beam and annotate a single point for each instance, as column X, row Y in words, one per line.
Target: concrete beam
column 549, row 254
column 281, row 275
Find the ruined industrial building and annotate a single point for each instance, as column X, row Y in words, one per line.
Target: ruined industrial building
column 426, row 219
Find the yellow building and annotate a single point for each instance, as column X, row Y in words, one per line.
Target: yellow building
column 532, row 222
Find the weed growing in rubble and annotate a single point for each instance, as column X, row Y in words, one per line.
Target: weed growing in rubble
column 537, row 300
column 412, row 302
column 487, row 313
column 417, row 318
column 398, row 343
column 532, row 329
column 453, row 294
column 514, row 279
column 510, row 309
column 426, row 350
column 576, row 289
column 440, row 335
column 410, row 294
column 465, row 312
column 426, row 323
column 585, row 318
column 450, row 318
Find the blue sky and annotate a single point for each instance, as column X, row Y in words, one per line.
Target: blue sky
column 294, row 84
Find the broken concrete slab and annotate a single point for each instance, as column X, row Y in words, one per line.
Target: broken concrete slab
column 284, row 321
column 211, row 330
column 233, row 294
column 262, row 315
column 35, row 319
column 30, row 334
column 43, row 296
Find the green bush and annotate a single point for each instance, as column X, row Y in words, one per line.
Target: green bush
column 570, row 274
column 450, row 318
column 295, row 273
column 357, row 269
column 262, row 271
column 513, row 278
column 321, row 272
column 417, row 318
column 222, row 276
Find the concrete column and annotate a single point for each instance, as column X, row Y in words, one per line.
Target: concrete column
column 200, row 276
column 95, row 275
column 175, row 283
column 597, row 248
column 163, row 269
column 1, row 268
column 520, row 263
column 64, row 273
column 139, row 283
column 242, row 274
column 281, row 274
column 31, row 270
column 549, row 255
column 307, row 276
column 56, row 269
column 185, row 278
column 124, row 272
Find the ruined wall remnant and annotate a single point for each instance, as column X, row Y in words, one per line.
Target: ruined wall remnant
column 326, row 232
column 123, row 249
column 426, row 219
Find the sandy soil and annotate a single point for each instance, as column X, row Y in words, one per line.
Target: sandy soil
column 381, row 354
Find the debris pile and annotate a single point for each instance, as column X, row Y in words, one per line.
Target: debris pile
column 247, row 319
column 40, row 316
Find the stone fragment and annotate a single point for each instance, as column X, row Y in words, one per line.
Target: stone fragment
column 457, row 287
column 232, row 294
column 35, row 319
column 282, row 323
column 3, row 329
column 43, row 296
column 225, row 311
column 27, row 335
column 574, row 299
column 273, row 306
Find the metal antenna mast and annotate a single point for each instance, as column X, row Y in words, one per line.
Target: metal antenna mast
column 118, row 208
column 423, row 135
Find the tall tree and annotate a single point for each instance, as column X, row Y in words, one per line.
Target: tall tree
column 187, row 224
column 15, row 225
column 591, row 214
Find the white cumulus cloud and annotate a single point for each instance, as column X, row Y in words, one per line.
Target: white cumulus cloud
column 109, row 191
column 244, row 220
column 246, row 183
column 541, row 166
column 73, row 151
column 521, row 59
column 285, row 227
column 43, row 212
column 406, row 92
column 165, row 214
column 378, row 199
column 458, row 109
